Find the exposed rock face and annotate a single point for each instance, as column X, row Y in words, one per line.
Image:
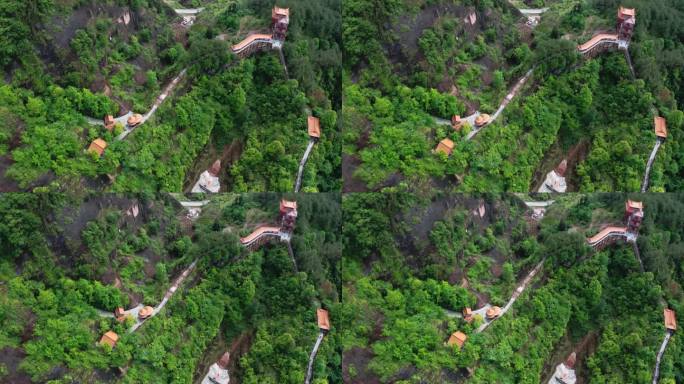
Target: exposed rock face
column 555, row 180
column 209, row 181
column 565, row 372
column 218, row 372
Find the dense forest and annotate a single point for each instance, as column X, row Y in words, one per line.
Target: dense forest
column 69, row 261
column 411, row 264
column 403, row 84
column 70, row 63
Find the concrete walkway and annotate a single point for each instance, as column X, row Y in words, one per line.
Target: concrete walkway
column 188, row 11
column 661, row 352
column 649, row 164
column 171, row 291
column 518, row 291
column 539, row 204
column 483, row 310
column 533, row 11
column 312, row 358
column 302, row 163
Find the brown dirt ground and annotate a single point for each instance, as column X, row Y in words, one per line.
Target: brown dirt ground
column 358, row 358
column 11, row 358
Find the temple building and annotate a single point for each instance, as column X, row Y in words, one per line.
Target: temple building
column 134, row 120
column 288, row 213
column 280, row 19
column 314, row 127
column 323, row 319
column 565, row 371
column 218, row 372
column 634, row 214
column 482, row 120
column 209, row 181
column 626, row 19
column 660, row 127
column 110, row 338
column 555, row 180
column 456, row 122
column 109, row 122
column 467, row 314
column 457, row 338
column 670, row 320
column 146, row 312
column 445, row 146
column 98, row 146
column 493, row 312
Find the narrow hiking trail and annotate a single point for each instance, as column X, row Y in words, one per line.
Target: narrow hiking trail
column 601, row 42
column 169, row 294
column 312, row 357
column 134, row 312
column 313, row 127
column 524, row 284
column 518, row 291
column 302, row 163
column 659, row 357
column 649, row 164
column 507, row 100
column 282, row 61
column 123, row 120
column 265, row 233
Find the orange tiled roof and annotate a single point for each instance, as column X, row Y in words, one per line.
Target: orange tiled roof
column 445, row 146
column 98, row 146
column 670, row 320
column 482, row 119
column 634, row 204
column 459, row 338
column 323, row 319
column 134, row 119
column 145, row 312
column 314, row 126
column 493, row 312
column 288, row 204
column 109, row 122
column 277, row 11
column 660, row 127
column 626, row 12
column 110, row 338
